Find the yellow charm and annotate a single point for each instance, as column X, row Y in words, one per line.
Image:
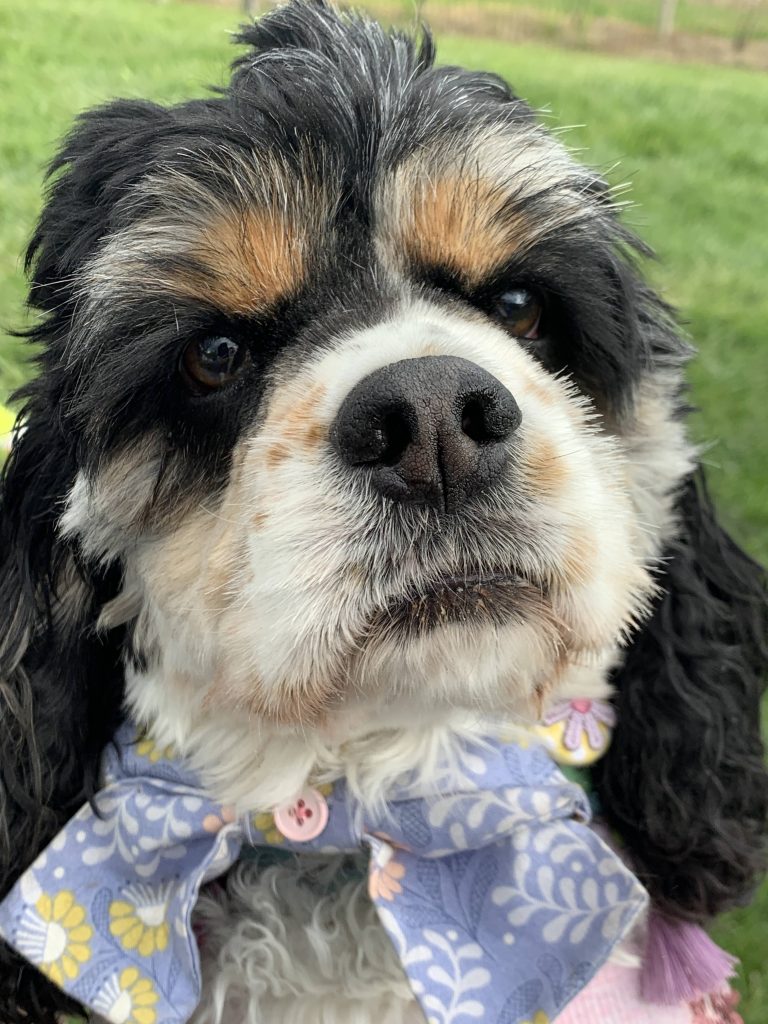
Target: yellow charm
column 7, row 419
column 577, row 732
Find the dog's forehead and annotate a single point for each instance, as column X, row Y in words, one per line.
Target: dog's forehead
column 241, row 228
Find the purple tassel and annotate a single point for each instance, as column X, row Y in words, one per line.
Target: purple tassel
column 681, row 962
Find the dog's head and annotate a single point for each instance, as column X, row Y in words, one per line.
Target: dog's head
column 352, row 403
column 345, row 362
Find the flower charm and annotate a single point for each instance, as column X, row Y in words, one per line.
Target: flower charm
column 128, row 998
column 385, row 874
column 139, row 920
column 54, row 935
column 578, row 732
column 7, row 419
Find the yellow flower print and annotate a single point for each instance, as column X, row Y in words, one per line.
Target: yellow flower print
column 55, row 936
column 385, row 875
column 139, row 920
column 538, row 1018
column 128, row 998
column 147, row 747
column 265, row 822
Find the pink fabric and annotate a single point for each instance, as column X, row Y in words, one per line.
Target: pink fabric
column 613, row 997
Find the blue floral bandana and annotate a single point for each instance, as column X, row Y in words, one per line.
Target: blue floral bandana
column 500, row 901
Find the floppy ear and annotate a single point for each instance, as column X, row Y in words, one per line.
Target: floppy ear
column 684, row 782
column 60, row 683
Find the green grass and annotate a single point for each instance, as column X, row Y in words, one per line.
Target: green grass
column 694, row 140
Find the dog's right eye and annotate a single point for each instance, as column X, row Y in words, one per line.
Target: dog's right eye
column 209, row 363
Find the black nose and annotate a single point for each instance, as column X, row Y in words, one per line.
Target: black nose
column 428, row 431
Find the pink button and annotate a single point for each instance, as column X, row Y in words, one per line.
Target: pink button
column 304, row 818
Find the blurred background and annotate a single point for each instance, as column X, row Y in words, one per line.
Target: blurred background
column 670, row 95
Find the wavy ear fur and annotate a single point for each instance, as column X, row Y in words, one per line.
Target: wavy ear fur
column 60, row 684
column 685, row 782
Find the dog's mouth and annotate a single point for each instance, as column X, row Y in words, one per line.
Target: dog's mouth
column 470, row 599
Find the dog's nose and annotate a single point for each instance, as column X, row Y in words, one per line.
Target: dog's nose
column 428, row 431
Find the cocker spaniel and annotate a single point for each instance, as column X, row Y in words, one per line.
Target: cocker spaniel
column 356, row 427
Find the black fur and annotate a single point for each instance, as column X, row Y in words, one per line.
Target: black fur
column 60, row 684
column 683, row 782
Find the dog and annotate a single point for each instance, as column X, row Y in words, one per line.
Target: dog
column 356, row 426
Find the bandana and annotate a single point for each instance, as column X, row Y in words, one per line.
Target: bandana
column 500, row 901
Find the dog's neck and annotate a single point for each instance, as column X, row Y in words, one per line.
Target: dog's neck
column 256, row 765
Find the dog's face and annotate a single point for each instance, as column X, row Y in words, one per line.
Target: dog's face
column 366, row 396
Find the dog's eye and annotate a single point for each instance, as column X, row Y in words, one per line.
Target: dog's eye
column 519, row 310
column 209, row 363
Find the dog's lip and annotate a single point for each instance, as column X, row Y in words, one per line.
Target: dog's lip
column 458, row 598
column 465, row 581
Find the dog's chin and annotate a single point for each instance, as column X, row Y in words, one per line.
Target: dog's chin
column 485, row 646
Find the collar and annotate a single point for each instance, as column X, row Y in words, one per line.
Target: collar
column 500, row 901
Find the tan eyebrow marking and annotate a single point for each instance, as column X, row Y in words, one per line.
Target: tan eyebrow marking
column 241, row 262
column 475, row 203
column 461, row 222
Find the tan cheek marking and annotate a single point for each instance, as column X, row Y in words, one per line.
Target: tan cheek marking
column 276, row 454
column 298, row 425
column 542, row 394
column 579, row 558
column 546, row 468
column 248, row 260
column 259, row 520
column 459, row 222
column 223, row 566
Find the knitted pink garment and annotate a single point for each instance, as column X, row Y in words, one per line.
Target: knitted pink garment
column 613, row 997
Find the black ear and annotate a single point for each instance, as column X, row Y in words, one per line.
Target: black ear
column 684, row 782
column 108, row 150
column 60, row 683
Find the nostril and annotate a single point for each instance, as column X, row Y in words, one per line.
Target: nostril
column 474, row 422
column 396, row 435
column 488, row 417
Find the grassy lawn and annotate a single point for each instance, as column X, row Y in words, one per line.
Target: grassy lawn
column 694, row 140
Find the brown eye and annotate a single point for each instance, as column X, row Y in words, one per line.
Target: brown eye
column 519, row 310
column 210, row 363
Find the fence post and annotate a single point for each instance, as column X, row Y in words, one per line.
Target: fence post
column 667, row 12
